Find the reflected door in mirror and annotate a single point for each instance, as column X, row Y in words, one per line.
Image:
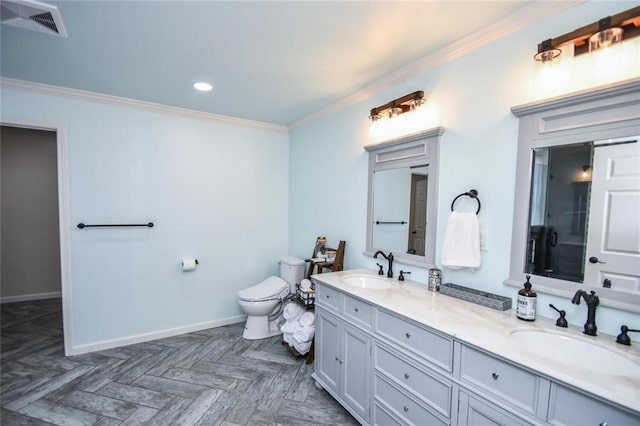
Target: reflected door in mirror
column 418, row 214
column 613, row 245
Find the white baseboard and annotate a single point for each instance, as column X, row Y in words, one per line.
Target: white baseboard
column 139, row 338
column 27, row 297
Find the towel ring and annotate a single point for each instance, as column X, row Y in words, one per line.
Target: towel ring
column 471, row 193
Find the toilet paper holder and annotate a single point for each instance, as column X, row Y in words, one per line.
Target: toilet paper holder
column 189, row 264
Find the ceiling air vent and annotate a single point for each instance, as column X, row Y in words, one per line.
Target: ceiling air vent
column 32, row 15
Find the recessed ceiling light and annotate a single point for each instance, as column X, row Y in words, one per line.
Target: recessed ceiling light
column 202, row 86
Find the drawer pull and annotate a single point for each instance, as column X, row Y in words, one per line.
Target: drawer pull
column 603, row 424
column 407, row 334
column 406, row 375
column 327, row 296
column 495, row 376
column 405, row 408
column 356, row 309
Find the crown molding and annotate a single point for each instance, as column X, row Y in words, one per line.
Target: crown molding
column 46, row 89
column 518, row 20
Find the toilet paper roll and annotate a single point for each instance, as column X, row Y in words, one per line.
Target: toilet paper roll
column 189, row 264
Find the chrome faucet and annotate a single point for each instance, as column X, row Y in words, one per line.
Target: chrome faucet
column 592, row 302
column 389, row 258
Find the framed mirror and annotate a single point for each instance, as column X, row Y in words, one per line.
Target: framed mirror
column 577, row 196
column 401, row 213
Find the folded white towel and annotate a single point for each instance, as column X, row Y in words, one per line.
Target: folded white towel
column 288, row 338
column 292, row 311
column 290, row 327
column 303, row 334
column 461, row 245
column 305, row 285
column 302, row 348
column 307, row 319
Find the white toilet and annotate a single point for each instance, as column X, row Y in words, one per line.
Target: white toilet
column 263, row 302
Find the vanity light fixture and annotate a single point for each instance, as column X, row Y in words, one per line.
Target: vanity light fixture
column 605, row 32
column 606, row 35
column 398, row 106
column 546, row 52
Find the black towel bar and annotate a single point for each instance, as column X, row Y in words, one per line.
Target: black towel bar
column 390, row 223
column 471, row 193
column 82, row 225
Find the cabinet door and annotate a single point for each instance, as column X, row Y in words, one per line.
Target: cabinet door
column 474, row 412
column 327, row 347
column 356, row 373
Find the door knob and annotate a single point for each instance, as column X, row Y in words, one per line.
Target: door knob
column 594, row 259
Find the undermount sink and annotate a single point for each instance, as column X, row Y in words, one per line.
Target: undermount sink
column 576, row 352
column 367, row 281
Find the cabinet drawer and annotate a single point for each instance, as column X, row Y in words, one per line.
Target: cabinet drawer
column 328, row 297
column 436, row 392
column 358, row 311
column 474, row 412
column 568, row 407
column 402, row 406
column 512, row 383
column 431, row 346
column 382, row 418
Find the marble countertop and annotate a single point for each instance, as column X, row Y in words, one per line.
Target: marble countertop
column 492, row 330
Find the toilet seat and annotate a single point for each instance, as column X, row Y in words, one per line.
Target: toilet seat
column 269, row 289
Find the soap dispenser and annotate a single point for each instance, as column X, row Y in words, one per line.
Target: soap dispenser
column 526, row 306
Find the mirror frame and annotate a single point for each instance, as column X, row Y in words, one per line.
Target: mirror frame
column 418, row 149
column 602, row 113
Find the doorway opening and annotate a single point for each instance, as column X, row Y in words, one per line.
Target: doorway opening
column 34, row 239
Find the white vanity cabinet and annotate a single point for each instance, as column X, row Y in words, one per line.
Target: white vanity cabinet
column 387, row 369
column 343, row 352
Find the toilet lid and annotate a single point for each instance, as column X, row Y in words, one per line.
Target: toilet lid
column 267, row 289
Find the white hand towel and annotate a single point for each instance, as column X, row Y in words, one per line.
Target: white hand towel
column 307, row 319
column 292, row 311
column 302, row 348
column 303, row 334
column 461, row 245
column 288, row 338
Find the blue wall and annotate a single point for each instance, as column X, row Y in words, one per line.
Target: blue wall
column 471, row 97
column 215, row 191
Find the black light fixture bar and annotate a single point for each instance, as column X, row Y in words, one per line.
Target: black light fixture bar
column 629, row 21
column 403, row 103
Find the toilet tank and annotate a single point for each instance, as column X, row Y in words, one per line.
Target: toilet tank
column 292, row 271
